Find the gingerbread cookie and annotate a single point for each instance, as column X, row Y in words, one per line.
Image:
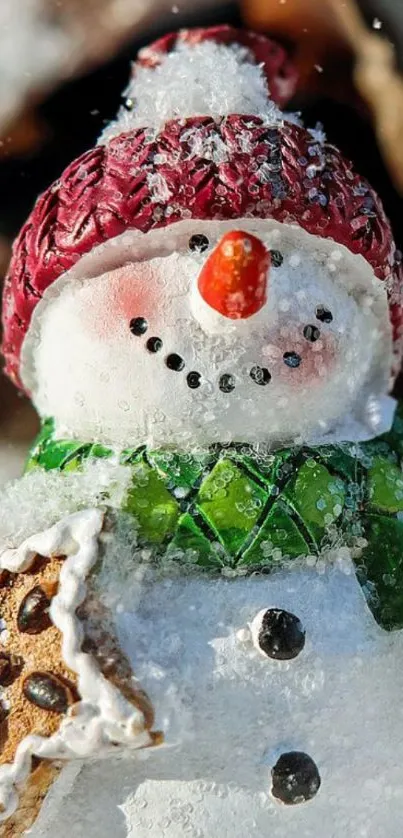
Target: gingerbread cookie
column 59, row 664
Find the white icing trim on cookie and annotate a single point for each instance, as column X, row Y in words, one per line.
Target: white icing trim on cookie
column 103, row 716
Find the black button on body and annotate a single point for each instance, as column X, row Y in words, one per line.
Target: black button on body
column 295, row 778
column 281, row 635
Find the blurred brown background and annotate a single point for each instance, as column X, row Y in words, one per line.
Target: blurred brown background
column 65, row 63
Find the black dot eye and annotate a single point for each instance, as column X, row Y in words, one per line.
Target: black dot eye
column 311, row 333
column 260, row 375
column 193, row 380
column 154, row 344
column 198, row 242
column 292, row 359
column 226, row 383
column 277, row 258
column 324, row 315
column 175, row 362
column 138, row 326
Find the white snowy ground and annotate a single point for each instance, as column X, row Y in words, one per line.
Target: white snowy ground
column 228, row 713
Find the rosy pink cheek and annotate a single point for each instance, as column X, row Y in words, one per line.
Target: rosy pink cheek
column 297, row 361
column 115, row 299
column 317, row 361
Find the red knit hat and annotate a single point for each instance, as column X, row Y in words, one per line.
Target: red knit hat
column 263, row 170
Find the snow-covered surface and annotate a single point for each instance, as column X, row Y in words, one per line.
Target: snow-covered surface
column 85, row 367
column 195, row 80
column 40, row 499
column 228, row 713
column 102, row 716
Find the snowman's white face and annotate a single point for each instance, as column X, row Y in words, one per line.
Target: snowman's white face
column 124, row 348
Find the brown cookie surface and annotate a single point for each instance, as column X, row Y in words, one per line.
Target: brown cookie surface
column 36, row 686
column 37, row 689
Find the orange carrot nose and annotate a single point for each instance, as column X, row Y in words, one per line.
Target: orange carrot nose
column 234, row 278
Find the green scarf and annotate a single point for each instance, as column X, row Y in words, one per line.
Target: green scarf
column 230, row 506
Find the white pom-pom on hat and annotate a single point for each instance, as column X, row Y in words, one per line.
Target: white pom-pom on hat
column 191, row 73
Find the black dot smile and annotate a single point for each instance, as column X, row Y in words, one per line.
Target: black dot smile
column 174, row 362
column 138, row 326
column 323, row 314
column 260, row 375
column 311, row 333
column 292, row 359
column 154, row 344
column 226, row 383
column 193, row 380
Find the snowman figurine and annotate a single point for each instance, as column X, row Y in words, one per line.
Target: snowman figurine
column 202, row 567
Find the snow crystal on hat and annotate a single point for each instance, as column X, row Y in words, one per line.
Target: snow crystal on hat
column 195, row 81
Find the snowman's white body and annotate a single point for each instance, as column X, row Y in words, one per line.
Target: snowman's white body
column 228, row 712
